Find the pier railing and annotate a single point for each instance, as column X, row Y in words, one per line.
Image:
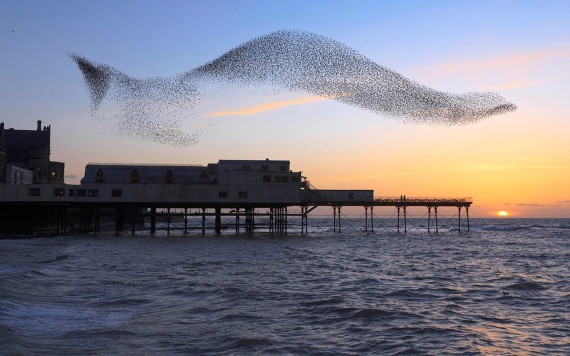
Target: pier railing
column 405, row 200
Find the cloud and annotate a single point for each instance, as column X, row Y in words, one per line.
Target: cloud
column 512, row 84
column 259, row 108
column 504, row 167
column 511, row 71
column 71, row 176
column 530, row 204
column 563, row 201
column 505, row 62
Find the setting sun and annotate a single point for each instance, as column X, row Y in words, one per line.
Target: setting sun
column 502, row 213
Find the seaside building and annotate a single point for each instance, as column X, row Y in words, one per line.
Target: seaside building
column 267, row 181
column 23, row 151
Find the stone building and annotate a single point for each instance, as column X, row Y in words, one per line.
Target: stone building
column 30, row 150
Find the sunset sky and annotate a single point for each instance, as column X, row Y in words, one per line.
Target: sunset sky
column 517, row 162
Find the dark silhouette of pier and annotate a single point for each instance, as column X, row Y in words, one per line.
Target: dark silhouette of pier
column 203, row 218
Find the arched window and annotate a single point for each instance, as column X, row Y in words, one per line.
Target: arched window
column 99, row 177
column 169, row 176
column 134, row 176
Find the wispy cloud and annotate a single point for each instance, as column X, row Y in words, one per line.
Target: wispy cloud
column 256, row 109
column 504, row 62
column 512, row 84
column 511, row 71
column 505, row 167
column 530, row 204
column 563, row 201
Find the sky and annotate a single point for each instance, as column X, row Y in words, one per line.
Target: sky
column 517, row 162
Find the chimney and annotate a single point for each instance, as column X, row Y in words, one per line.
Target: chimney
column 39, row 125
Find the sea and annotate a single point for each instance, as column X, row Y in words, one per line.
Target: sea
column 501, row 289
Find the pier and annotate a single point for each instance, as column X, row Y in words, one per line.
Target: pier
column 95, row 214
column 227, row 197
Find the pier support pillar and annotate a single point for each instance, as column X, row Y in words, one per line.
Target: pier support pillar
column 203, row 221
column 237, row 221
column 167, row 221
column 249, row 220
column 97, row 220
column 405, row 220
column 119, row 221
column 270, row 220
column 334, row 218
column 185, row 221
column 152, row 221
column 398, row 226
column 286, row 214
column 339, row 219
column 429, row 220
column 467, row 213
column 436, row 225
column 459, row 218
column 372, row 218
column 218, row 221
column 133, row 220
column 302, row 219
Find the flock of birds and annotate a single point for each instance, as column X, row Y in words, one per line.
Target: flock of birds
column 155, row 109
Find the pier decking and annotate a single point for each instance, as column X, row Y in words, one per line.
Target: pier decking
column 175, row 209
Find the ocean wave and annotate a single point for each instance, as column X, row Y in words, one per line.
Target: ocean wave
column 527, row 286
column 492, row 292
column 410, row 294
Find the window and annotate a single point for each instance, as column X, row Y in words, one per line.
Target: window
column 223, row 194
column 276, row 179
column 40, row 173
column 282, row 168
column 93, row 193
column 242, row 195
column 266, row 179
column 34, row 192
column 134, row 176
column 81, row 192
column 264, row 167
column 58, row 192
column 99, row 177
column 169, row 176
column 72, row 192
column 245, row 167
column 284, row 179
column 116, row 193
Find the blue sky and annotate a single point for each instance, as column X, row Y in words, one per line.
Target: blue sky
column 519, row 48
